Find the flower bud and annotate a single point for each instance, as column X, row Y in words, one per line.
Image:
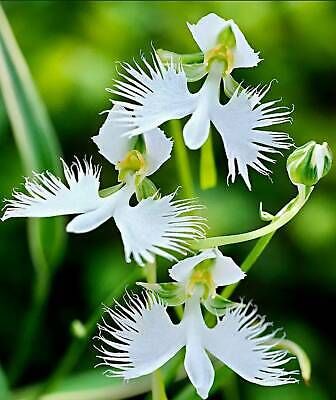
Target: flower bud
column 309, row 163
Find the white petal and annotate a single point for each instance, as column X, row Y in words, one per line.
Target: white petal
column 225, row 271
column 152, row 97
column 199, row 369
column 48, row 196
column 111, row 140
column 158, row 149
column 141, row 340
column 180, row 271
column 206, row 32
column 158, row 227
column 239, row 123
column 237, row 342
column 91, row 220
column 196, row 130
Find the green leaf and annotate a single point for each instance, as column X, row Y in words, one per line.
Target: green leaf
column 208, row 171
column 34, row 136
column 218, row 305
column 4, row 390
column 39, row 150
column 172, row 293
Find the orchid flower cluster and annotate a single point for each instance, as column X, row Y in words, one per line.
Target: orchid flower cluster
column 138, row 337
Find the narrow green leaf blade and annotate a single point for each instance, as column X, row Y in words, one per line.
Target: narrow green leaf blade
column 34, row 136
column 4, row 390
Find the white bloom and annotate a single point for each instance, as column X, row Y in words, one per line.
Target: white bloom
column 143, row 338
column 153, row 226
column 158, row 93
column 205, row 34
column 224, row 270
column 114, row 145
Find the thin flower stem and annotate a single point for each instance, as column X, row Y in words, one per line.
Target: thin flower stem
column 277, row 223
column 182, row 159
column 79, row 343
column 249, row 261
column 158, row 386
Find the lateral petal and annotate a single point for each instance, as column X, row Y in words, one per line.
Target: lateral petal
column 158, row 149
column 239, row 122
column 142, row 337
column 225, row 271
column 47, row 196
column 182, row 269
column 152, row 96
column 111, row 140
column 236, row 340
column 158, row 227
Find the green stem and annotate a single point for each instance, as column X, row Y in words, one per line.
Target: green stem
column 183, row 165
column 79, row 344
column 249, row 261
column 277, row 223
column 158, row 386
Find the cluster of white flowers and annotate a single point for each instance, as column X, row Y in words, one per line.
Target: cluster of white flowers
column 141, row 336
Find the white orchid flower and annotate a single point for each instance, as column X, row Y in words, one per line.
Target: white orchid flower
column 161, row 94
column 222, row 270
column 143, row 338
column 152, row 227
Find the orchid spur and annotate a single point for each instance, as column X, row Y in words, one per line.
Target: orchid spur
column 155, row 226
column 159, row 92
column 143, row 338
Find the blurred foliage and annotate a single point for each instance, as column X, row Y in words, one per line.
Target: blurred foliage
column 72, row 49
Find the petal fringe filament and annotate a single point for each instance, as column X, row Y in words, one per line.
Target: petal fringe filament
column 141, row 338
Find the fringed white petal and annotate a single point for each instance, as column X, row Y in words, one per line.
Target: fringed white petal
column 238, row 342
column 205, row 33
column 158, row 150
column 111, row 140
column 225, row 271
column 239, row 122
column 140, row 339
column 158, row 227
column 47, row 196
column 153, row 95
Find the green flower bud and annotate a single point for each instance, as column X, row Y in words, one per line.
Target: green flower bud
column 309, row 163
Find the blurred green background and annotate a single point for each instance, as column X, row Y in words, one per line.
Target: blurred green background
column 72, row 49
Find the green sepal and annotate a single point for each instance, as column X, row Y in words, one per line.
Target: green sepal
column 167, row 56
column 194, row 72
column 231, row 85
column 145, row 188
column 110, row 190
column 172, row 293
column 193, row 64
column 218, row 305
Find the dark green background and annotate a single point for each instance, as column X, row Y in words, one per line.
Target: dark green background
column 71, row 48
